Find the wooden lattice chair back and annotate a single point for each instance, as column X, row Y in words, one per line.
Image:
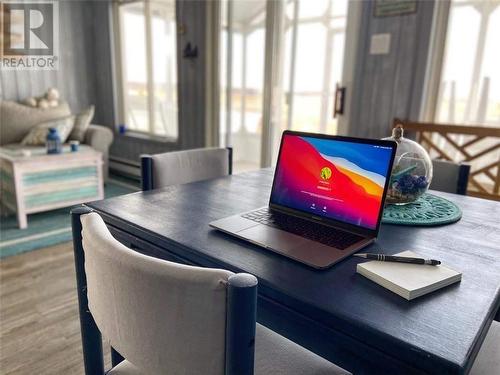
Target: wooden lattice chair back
column 476, row 145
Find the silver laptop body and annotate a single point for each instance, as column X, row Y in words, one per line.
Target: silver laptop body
column 326, row 201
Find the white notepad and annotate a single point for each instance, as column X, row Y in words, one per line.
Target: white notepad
column 408, row 280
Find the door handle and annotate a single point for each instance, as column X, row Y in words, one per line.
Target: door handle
column 338, row 101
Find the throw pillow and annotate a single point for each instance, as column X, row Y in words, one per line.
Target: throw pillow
column 16, row 119
column 82, row 122
column 38, row 135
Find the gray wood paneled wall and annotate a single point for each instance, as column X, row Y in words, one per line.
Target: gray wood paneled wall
column 100, row 69
column 75, row 78
column 388, row 86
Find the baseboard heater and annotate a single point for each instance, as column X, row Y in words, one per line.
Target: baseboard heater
column 124, row 167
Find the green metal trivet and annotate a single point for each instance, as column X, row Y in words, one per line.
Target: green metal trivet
column 428, row 210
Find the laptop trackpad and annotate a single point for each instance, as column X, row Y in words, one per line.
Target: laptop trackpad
column 271, row 237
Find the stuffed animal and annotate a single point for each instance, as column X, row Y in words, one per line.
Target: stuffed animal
column 43, row 103
column 52, row 95
column 49, row 100
column 30, row 102
column 53, row 103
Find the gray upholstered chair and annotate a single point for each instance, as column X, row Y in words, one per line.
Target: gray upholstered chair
column 168, row 318
column 182, row 167
column 450, row 177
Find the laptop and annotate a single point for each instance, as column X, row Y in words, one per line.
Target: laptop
column 326, row 200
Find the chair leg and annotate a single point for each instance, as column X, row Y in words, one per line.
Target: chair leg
column 91, row 337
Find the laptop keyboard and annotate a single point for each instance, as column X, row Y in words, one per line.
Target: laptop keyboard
column 316, row 232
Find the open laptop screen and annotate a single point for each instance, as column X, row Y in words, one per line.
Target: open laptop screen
column 332, row 178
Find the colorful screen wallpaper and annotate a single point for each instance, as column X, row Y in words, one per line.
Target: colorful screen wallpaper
column 334, row 179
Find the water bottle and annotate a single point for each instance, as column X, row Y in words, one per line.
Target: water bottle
column 54, row 144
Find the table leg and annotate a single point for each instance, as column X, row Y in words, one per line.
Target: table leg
column 91, row 337
column 22, row 220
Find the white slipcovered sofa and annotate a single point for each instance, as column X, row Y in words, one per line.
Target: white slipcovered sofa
column 16, row 120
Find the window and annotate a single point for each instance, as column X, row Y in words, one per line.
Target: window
column 147, row 57
column 469, row 86
column 463, row 87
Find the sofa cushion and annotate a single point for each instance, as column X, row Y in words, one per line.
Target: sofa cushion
column 17, row 119
column 82, row 122
column 38, row 134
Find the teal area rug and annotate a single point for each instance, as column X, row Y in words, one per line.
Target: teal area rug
column 45, row 228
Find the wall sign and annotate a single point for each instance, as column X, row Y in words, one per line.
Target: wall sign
column 388, row 8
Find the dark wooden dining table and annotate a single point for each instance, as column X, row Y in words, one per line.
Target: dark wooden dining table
column 335, row 313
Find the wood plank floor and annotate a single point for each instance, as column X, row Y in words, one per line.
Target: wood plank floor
column 39, row 325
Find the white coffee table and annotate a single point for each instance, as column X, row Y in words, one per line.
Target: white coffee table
column 32, row 181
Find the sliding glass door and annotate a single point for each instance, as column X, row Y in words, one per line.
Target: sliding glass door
column 280, row 64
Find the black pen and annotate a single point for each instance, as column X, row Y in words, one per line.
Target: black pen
column 393, row 258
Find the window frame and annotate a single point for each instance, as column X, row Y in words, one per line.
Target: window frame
column 121, row 101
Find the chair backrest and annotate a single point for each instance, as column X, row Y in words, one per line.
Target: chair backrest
column 476, row 145
column 182, row 167
column 164, row 317
column 450, row 177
